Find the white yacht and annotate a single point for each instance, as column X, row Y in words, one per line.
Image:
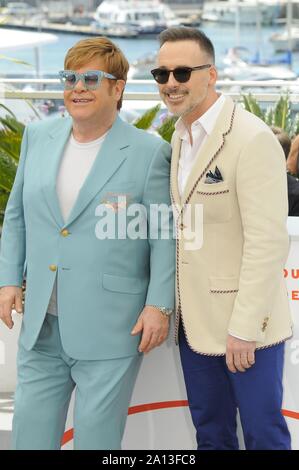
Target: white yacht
column 143, row 16
column 19, row 9
column 238, row 67
column 247, row 11
column 141, row 68
column 286, row 40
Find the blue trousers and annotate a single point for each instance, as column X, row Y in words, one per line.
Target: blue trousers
column 215, row 393
column 47, row 377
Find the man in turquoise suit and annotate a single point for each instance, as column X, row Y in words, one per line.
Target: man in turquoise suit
column 99, row 275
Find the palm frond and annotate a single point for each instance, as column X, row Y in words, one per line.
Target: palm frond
column 33, row 108
column 4, row 195
column 282, row 112
column 9, row 123
column 11, row 132
column 15, row 61
column 269, row 116
column 253, row 106
column 7, row 110
column 167, row 128
column 8, row 168
column 147, row 119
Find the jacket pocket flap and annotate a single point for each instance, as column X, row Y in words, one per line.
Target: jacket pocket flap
column 223, row 285
column 127, row 285
column 206, row 189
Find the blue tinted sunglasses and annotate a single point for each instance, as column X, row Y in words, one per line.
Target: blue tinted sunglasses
column 91, row 78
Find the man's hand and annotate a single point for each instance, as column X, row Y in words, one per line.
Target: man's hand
column 154, row 327
column 10, row 298
column 239, row 354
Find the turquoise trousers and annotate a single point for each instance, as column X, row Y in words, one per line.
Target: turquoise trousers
column 47, row 377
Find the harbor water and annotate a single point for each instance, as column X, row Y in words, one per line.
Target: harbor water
column 223, row 36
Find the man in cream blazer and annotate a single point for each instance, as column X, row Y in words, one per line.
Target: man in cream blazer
column 232, row 308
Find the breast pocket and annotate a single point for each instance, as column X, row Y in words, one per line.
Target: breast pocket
column 124, row 190
column 216, row 202
column 118, row 196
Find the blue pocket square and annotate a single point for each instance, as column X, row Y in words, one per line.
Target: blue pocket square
column 215, row 177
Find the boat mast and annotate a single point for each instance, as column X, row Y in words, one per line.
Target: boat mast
column 289, row 30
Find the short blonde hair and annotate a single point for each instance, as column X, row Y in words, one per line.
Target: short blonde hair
column 100, row 47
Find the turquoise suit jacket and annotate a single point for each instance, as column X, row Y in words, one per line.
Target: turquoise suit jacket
column 102, row 284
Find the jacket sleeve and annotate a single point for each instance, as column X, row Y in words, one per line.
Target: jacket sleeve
column 262, row 197
column 13, row 238
column 156, row 199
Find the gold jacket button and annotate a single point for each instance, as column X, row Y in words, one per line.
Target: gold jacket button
column 65, row 232
column 53, row 267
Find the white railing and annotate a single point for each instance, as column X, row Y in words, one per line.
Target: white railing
column 142, row 96
column 220, row 83
column 233, row 88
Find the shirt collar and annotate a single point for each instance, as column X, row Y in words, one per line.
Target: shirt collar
column 206, row 122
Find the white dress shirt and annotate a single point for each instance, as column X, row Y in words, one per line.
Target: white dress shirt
column 200, row 130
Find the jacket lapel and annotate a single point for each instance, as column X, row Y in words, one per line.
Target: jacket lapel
column 211, row 148
column 51, row 155
column 174, row 188
column 108, row 160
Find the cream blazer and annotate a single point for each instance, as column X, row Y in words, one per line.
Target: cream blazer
column 234, row 281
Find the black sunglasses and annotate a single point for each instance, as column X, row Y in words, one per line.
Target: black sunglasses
column 181, row 74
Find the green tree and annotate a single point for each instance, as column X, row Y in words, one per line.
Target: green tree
column 278, row 115
column 11, row 132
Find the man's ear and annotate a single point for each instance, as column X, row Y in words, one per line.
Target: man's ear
column 213, row 75
column 118, row 89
